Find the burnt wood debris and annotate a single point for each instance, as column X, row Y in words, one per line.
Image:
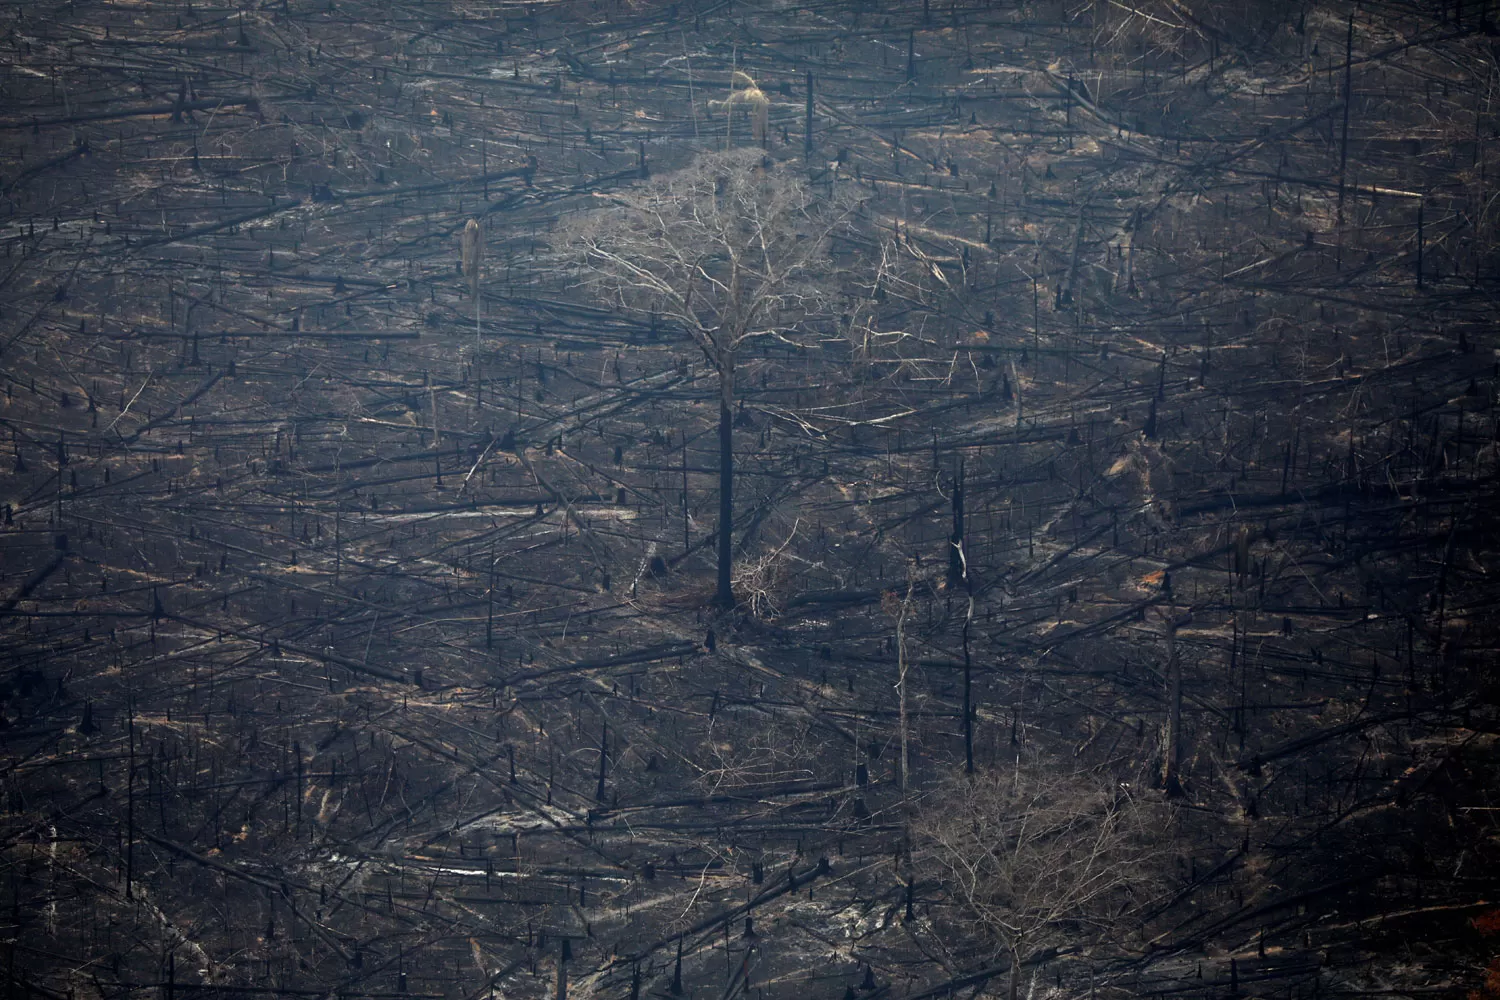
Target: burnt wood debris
column 391, row 606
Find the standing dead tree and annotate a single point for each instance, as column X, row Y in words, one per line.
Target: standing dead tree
column 471, row 246
column 898, row 611
column 732, row 248
column 1171, row 779
column 1036, row 858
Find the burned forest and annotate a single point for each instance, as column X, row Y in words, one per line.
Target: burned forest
column 766, row 499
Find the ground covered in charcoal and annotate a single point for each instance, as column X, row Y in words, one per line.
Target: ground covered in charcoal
column 355, row 642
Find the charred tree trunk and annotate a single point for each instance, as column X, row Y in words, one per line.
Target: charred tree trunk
column 901, row 666
column 724, row 594
column 968, row 691
column 958, row 570
column 807, row 140
column 1172, row 753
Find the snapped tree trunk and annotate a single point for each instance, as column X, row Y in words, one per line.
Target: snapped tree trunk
column 724, row 596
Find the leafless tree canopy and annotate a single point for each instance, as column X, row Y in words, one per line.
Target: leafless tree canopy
column 732, row 247
column 1040, row 858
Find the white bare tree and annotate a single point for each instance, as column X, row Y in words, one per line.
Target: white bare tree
column 732, row 248
column 1037, row 858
